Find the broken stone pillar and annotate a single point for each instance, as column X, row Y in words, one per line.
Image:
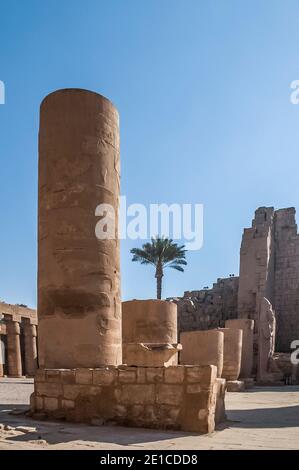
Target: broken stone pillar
column 149, row 330
column 232, row 353
column 30, row 348
column 246, row 326
column 13, row 348
column 151, row 321
column 79, row 306
column 203, row 348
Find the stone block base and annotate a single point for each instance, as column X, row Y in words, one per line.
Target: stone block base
column 151, row 354
column 175, row 397
column 235, row 386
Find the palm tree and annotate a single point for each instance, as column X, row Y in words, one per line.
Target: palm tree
column 161, row 253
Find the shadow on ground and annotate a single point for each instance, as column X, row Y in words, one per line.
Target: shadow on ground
column 274, row 388
column 58, row 432
column 278, row 417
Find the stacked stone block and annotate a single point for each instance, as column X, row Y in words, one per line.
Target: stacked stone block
column 177, row 397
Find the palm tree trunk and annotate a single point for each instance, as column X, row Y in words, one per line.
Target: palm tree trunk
column 159, row 287
column 159, row 275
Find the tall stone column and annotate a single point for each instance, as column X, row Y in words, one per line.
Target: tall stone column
column 14, row 349
column 78, row 274
column 30, row 349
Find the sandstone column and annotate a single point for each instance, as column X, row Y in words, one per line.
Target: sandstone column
column 246, row 326
column 14, row 349
column 232, row 354
column 149, row 321
column 30, row 348
column 149, row 330
column 78, row 274
column 203, row 348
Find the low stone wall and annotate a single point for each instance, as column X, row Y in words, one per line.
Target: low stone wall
column 176, row 397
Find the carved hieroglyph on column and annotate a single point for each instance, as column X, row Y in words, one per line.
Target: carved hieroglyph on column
column 79, row 306
column 267, row 326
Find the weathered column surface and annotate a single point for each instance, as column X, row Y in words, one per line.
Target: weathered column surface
column 30, row 349
column 232, row 353
column 202, row 348
column 78, row 274
column 246, row 326
column 14, row 349
column 149, row 321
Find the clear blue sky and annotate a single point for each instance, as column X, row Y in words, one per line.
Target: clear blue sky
column 203, row 92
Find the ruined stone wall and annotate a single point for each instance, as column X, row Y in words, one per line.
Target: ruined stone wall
column 18, row 312
column 256, row 265
column 18, row 332
column 269, row 267
column 176, row 397
column 286, row 301
column 208, row 308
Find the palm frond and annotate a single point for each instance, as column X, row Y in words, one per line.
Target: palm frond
column 161, row 252
column 177, row 267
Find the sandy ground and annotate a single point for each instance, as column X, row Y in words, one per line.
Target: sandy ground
column 263, row 418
